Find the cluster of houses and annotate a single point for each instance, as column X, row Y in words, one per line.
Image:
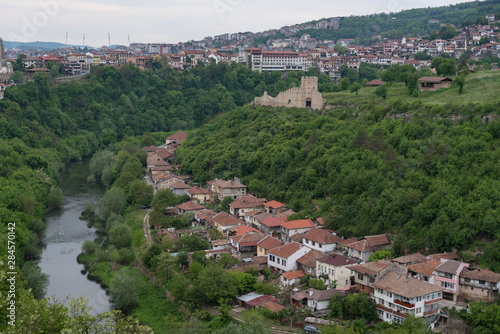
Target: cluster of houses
column 276, row 54
column 259, row 233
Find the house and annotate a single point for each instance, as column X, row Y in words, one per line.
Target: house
column 258, row 218
column 407, row 260
column 431, row 84
column 240, row 230
column 201, row 195
column 162, row 166
column 188, row 207
column 396, row 296
column 290, row 228
column 179, row 188
column 315, row 299
column 272, row 225
column 332, row 269
column 476, row 284
column 220, row 244
column 246, row 243
column 367, row 273
column 424, row 271
column 257, row 302
column 273, row 207
column 159, row 155
column 443, row 256
column 307, row 263
column 291, row 278
column 233, row 188
column 447, row 276
column 267, row 244
column 284, row 258
column 177, row 138
column 244, row 204
column 165, row 181
column 223, row 221
column 249, row 216
column 365, row 247
column 322, row 240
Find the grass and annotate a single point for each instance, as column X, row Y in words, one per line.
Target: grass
column 134, row 219
column 480, row 87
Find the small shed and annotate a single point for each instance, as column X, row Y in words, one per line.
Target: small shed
column 431, row 84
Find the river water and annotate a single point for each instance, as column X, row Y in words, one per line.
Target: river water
column 64, row 238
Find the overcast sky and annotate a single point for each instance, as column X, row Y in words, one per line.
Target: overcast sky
column 171, row 21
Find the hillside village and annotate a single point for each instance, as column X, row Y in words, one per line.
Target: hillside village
column 263, row 236
column 290, row 53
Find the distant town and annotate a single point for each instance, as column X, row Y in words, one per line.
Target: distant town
column 276, row 54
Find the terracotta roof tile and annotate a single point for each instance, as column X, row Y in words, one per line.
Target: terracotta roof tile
column 480, row 274
column 179, row 137
column 370, row 268
column 309, row 259
column 293, row 274
column 405, row 286
column 285, row 251
column 246, row 201
column 225, row 219
column 272, row 306
column 273, row 221
column 190, row 206
column 424, row 268
column 248, row 239
column 274, row 204
column 336, row 260
column 412, row 258
column 198, row 191
column 269, row 243
column 296, row 224
column 323, row 237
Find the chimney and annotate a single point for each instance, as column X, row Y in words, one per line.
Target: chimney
column 310, row 292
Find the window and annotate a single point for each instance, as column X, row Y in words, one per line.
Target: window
column 283, row 262
column 482, row 282
column 320, row 245
column 448, row 285
column 346, row 282
column 360, row 277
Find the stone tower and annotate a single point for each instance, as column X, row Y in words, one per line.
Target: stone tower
column 2, row 52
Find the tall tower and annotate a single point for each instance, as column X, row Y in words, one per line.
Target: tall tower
column 2, row 52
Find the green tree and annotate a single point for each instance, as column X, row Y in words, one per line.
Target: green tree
column 113, row 201
column 37, row 280
column 120, row 236
column 355, row 88
column 387, row 76
column 381, row 91
column 460, row 82
column 380, row 255
column 55, row 198
column 124, row 289
column 345, row 83
column 217, row 284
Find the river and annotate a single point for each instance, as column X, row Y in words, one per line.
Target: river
column 64, row 238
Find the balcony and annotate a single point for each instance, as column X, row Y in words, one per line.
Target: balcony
column 324, row 276
column 401, row 303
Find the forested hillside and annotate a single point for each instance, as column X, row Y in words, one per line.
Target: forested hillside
column 413, row 22
column 431, row 182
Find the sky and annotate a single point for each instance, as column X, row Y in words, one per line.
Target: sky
column 172, row 21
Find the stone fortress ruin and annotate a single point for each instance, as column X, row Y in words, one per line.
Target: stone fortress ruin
column 305, row 96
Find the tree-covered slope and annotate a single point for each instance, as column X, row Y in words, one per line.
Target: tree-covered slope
column 434, row 182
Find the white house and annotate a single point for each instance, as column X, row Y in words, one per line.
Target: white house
column 284, row 258
column 321, row 240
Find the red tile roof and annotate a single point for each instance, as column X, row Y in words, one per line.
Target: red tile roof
column 480, row 274
column 273, row 221
column 245, row 229
column 274, row 204
column 424, row 268
column 225, row 219
column 296, row 224
column 248, row 239
column 272, row 306
column 405, row 286
column 286, row 251
column 179, row 185
column 293, row 274
column 198, row 191
column 247, row 201
column 163, row 153
column 320, row 221
column 269, row 243
column 336, row 260
column 370, row 268
column 189, row 206
column 323, row 237
column 261, row 300
column 179, row 137
column 309, row 259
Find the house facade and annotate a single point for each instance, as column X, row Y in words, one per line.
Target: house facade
column 332, row 270
column 292, row 227
column 232, row 188
column 447, row 276
column 284, row 258
column 476, row 284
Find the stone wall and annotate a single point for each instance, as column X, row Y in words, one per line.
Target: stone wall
column 305, row 96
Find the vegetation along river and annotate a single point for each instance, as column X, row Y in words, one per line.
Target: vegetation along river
column 64, row 238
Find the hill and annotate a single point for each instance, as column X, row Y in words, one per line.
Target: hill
column 36, row 45
column 430, row 179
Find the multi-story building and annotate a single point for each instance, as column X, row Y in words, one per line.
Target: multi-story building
column 447, row 276
column 396, row 296
column 232, row 188
column 332, row 269
column 284, row 258
column 322, row 240
column 264, row 61
column 367, row 273
column 478, row 284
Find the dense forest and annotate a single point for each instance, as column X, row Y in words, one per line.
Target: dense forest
column 431, row 182
column 413, row 22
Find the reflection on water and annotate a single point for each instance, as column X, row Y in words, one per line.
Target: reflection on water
column 64, row 238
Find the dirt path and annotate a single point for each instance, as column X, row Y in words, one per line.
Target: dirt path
column 147, row 230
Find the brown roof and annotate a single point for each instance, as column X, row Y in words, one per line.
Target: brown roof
column 248, row 239
column 221, row 242
column 261, row 300
column 189, row 206
column 322, row 236
column 443, row 256
column 262, row 215
column 293, row 274
column 480, row 274
column 259, row 260
column 412, row 258
column 162, row 168
column 163, row 153
column 286, row 251
column 273, row 221
column 450, row 267
column 252, row 213
column 179, row 137
column 297, row 237
column 285, row 213
column 274, row 204
column 377, row 240
column 309, row 259
column 225, row 219
column 320, row 221
column 424, row 268
column 151, row 148
column 370, row 268
column 198, row 191
column 269, row 243
column 375, row 82
column 179, row 185
column 405, row 286
column 369, row 242
column 226, row 184
column 207, row 215
column 296, row 224
column 336, row 260
column 240, row 230
column 272, row 306
column 434, row 79
column 246, row 201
